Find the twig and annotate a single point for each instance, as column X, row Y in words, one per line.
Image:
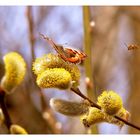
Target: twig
column 87, row 46
column 31, row 30
column 44, row 105
column 78, row 92
column 127, row 123
column 93, row 104
column 7, row 118
column 49, row 116
column 32, row 42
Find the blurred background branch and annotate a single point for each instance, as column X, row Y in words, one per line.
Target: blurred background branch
column 47, row 114
column 88, row 62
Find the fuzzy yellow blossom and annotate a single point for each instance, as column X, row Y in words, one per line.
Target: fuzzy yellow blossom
column 15, row 69
column 52, row 61
column 94, row 116
column 110, row 102
column 16, row 129
column 54, row 78
column 122, row 113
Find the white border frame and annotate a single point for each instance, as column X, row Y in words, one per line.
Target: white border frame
column 70, row 2
column 71, row 137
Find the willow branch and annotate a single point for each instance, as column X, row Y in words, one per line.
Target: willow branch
column 93, row 104
column 7, row 118
column 31, row 29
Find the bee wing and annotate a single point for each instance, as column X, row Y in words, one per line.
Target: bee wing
column 126, row 45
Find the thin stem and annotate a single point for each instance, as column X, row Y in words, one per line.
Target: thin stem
column 44, row 105
column 93, row 104
column 78, row 92
column 87, row 45
column 127, row 123
column 8, row 121
column 32, row 42
column 31, row 30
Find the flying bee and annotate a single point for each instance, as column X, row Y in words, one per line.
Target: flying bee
column 132, row 47
column 67, row 54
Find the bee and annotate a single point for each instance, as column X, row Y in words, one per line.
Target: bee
column 132, row 47
column 67, row 54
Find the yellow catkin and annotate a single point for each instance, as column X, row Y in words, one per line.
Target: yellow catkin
column 110, row 102
column 54, row 78
column 54, row 61
column 15, row 69
column 1, row 116
column 16, row 129
column 94, row 116
column 123, row 113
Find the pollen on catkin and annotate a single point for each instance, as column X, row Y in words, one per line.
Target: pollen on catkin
column 16, row 129
column 54, row 61
column 15, row 69
column 110, row 102
column 94, row 116
column 54, row 78
column 123, row 113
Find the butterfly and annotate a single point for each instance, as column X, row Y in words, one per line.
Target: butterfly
column 67, row 54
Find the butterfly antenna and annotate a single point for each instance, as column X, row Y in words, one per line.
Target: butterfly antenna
column 44, row 37
column 50, row 41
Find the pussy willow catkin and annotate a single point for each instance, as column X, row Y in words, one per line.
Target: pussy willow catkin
column 53, row 72
column 15, row 69
column 92, row 117
column 16, row 129
column 110, row 102
column 54, row 78
column 123, row 113
column 69, row 108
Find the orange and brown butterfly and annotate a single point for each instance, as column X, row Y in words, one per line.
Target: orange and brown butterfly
column 132, row 47
column 67, row 54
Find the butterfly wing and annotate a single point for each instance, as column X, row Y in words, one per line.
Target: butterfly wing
column 66, row 54
column 58, row 48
